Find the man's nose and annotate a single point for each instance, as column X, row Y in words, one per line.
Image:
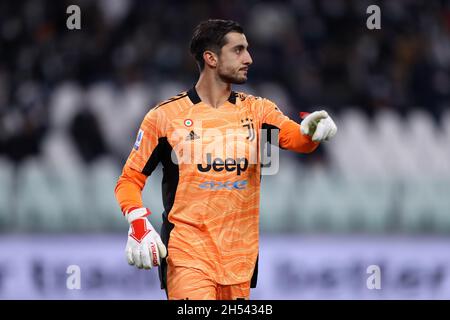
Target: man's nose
column 248, row 59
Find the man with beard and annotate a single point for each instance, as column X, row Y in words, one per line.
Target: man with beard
column 208, row 141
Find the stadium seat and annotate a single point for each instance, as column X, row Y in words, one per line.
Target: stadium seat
column 389, row 140
column 368, row 203
column 7, row 195
column 69, row 179
column 352, row 151
column 418, row 206
column 318, row 205
column 427, row 144
column 277, row 194
column 64, row 104
column 104, row 211
column 39, row 208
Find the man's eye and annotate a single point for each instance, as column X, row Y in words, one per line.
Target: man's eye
column 238, row 50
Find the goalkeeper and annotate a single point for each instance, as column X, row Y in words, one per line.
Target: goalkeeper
column 208, row 245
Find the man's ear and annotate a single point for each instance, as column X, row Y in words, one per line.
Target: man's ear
column 210, row 58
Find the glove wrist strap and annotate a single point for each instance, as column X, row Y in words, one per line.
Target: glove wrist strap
column 134, row 214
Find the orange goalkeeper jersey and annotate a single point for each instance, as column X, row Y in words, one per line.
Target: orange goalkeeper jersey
column 211, row 178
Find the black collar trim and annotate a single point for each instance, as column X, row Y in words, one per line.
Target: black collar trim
column 193, row 96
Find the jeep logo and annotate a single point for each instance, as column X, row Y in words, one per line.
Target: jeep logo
column 239, row 165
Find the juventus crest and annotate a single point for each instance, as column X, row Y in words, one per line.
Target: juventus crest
column 248, row 123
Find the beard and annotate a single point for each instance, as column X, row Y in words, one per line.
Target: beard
column 232, row 78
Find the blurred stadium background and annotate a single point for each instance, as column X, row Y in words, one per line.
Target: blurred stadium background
column 378, row 194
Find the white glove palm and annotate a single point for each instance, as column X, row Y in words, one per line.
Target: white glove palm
column 319, row 126
column 144, row 247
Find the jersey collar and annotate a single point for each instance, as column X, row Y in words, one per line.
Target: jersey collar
column 193, row 96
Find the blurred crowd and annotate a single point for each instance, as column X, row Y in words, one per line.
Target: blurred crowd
column 306, row 53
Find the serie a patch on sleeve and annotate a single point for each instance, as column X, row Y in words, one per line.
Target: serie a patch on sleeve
column 139, row 137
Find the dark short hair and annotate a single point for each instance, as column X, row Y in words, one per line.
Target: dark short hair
column 210, row 35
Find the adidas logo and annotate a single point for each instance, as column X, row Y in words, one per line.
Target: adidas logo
column 192, row 136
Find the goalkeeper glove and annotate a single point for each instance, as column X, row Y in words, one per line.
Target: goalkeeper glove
column 318, row 125
column 144, row 246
